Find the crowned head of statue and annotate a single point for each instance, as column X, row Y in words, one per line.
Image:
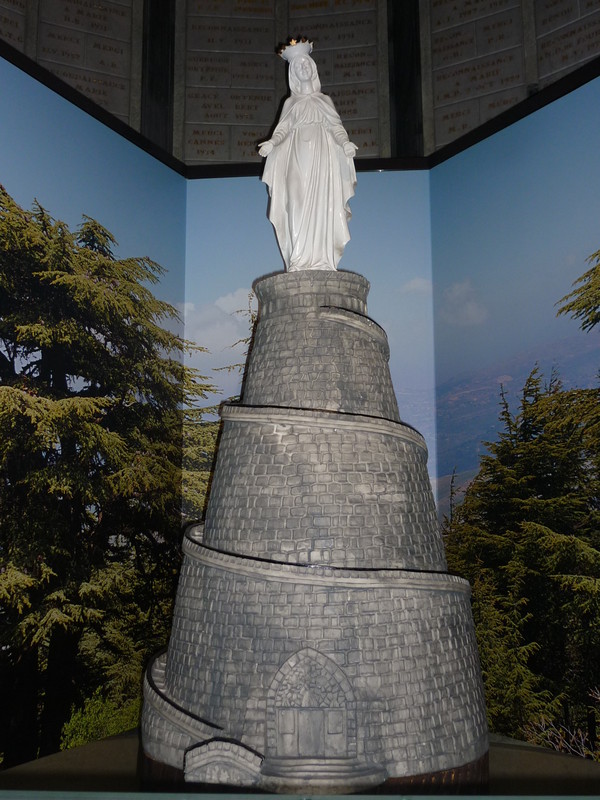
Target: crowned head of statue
column 302, row 70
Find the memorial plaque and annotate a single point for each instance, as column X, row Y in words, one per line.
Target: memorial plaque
column 253, row 8
column 588, row 6
column 456, row 120
column 347, row 65
column 106, row 18
column 447, row 13
column 252, row 107
column 230, row 78
column 481, row 76
column 354, row 66
column 454, row 45
column 208, row 105
column 496, row 52
column 345, row 33
column 477, row 54
column 355, row 102
column 111, row 93
column 235, row 79
column 499, row 32
column 569, row 46
column 495, row 104
column 218, row 34
column 12, row 22
column 230, row 69
column 248, row 70
column 208, row 69
column 365, row 134
column 226, row 8
column 108, row 55
column 200, row 8
column 230, row 106
column 88, row 45
column 206, row 143
column 552, row 14
column 324, row 61
column 310, row 7
column 244, row 143
column 338, row 30
column 568, row 35
column 60, row 45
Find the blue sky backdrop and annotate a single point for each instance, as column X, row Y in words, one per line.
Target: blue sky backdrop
column 513, row 220
column 477, row 251
column 73, row 165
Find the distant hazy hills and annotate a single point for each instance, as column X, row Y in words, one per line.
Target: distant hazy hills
column 468, row 405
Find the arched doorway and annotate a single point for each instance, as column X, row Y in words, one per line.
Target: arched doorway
column 311, row 709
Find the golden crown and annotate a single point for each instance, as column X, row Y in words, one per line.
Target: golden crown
column 295, row 47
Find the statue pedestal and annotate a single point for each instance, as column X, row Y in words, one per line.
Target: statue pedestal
column 318, row 644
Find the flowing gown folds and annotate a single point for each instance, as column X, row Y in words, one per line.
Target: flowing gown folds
column 310, row 181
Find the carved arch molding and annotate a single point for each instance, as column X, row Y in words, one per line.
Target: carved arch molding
column 311, row 709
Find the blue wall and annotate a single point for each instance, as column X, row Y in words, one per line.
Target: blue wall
column 513, row 221
column 73, row 165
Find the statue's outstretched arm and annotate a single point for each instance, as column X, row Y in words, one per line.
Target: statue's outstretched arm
column 341, row 137
column 281, row 131
column 339, row 133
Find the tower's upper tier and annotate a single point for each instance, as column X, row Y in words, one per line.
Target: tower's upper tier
column 314, row 346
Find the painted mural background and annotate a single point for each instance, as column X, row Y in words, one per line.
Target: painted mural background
column 466, row 262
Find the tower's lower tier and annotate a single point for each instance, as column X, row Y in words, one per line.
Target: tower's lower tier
column 292, row 678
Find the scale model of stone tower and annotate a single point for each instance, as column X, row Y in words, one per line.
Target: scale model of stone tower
column 318, row 643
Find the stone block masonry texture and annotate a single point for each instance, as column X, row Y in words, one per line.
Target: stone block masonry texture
column 317, row 642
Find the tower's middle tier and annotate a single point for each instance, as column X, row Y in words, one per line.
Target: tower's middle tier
column 307, row 487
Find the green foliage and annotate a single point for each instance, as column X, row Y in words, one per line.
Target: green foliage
column 199, row 445
column 251, row 315
column 98, row 718
column 513, row 692
column 583, row 303
column 200, row 436
column 526, row 536
column 93, row 401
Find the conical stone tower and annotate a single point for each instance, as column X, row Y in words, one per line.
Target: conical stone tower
column 318, row 643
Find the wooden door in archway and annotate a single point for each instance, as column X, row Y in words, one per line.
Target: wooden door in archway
column 310, row 732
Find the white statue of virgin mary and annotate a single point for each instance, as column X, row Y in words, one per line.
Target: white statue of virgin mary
column 309, row 170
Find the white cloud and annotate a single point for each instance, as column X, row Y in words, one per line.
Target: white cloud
column 234, row 301
column 416, row 286
column 461, row 306
column 217, row 328
column 572, row 258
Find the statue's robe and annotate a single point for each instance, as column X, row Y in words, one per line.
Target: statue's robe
column 310, row 181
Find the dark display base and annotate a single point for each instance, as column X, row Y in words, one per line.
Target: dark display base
column 469, row 779
column 472, row 778
column 115, row 765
